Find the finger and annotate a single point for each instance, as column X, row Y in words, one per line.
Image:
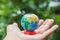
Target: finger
column 37, row 30
column 46, row 26
column 50, row 31
column 13, row 28
column 40, row 22
column 44, row 23
column 17, row 30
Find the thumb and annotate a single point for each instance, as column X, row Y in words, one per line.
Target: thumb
column 13, row 29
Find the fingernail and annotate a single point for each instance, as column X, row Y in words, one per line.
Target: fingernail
column 56, row 25
column 52, row 20
column 15, row 23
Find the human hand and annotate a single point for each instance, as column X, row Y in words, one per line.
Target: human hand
column 43, row 30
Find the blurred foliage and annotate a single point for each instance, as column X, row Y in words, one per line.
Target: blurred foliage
column 15, row 9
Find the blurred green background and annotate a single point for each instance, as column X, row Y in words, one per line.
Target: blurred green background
column 12, row 11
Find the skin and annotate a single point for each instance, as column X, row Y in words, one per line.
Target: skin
column 43, row 31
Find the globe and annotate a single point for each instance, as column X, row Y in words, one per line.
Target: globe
column 29, row 22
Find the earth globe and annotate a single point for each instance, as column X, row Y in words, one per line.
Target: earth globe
column 29, row 23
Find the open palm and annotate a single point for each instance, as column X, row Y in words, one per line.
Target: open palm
column 43, row 30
